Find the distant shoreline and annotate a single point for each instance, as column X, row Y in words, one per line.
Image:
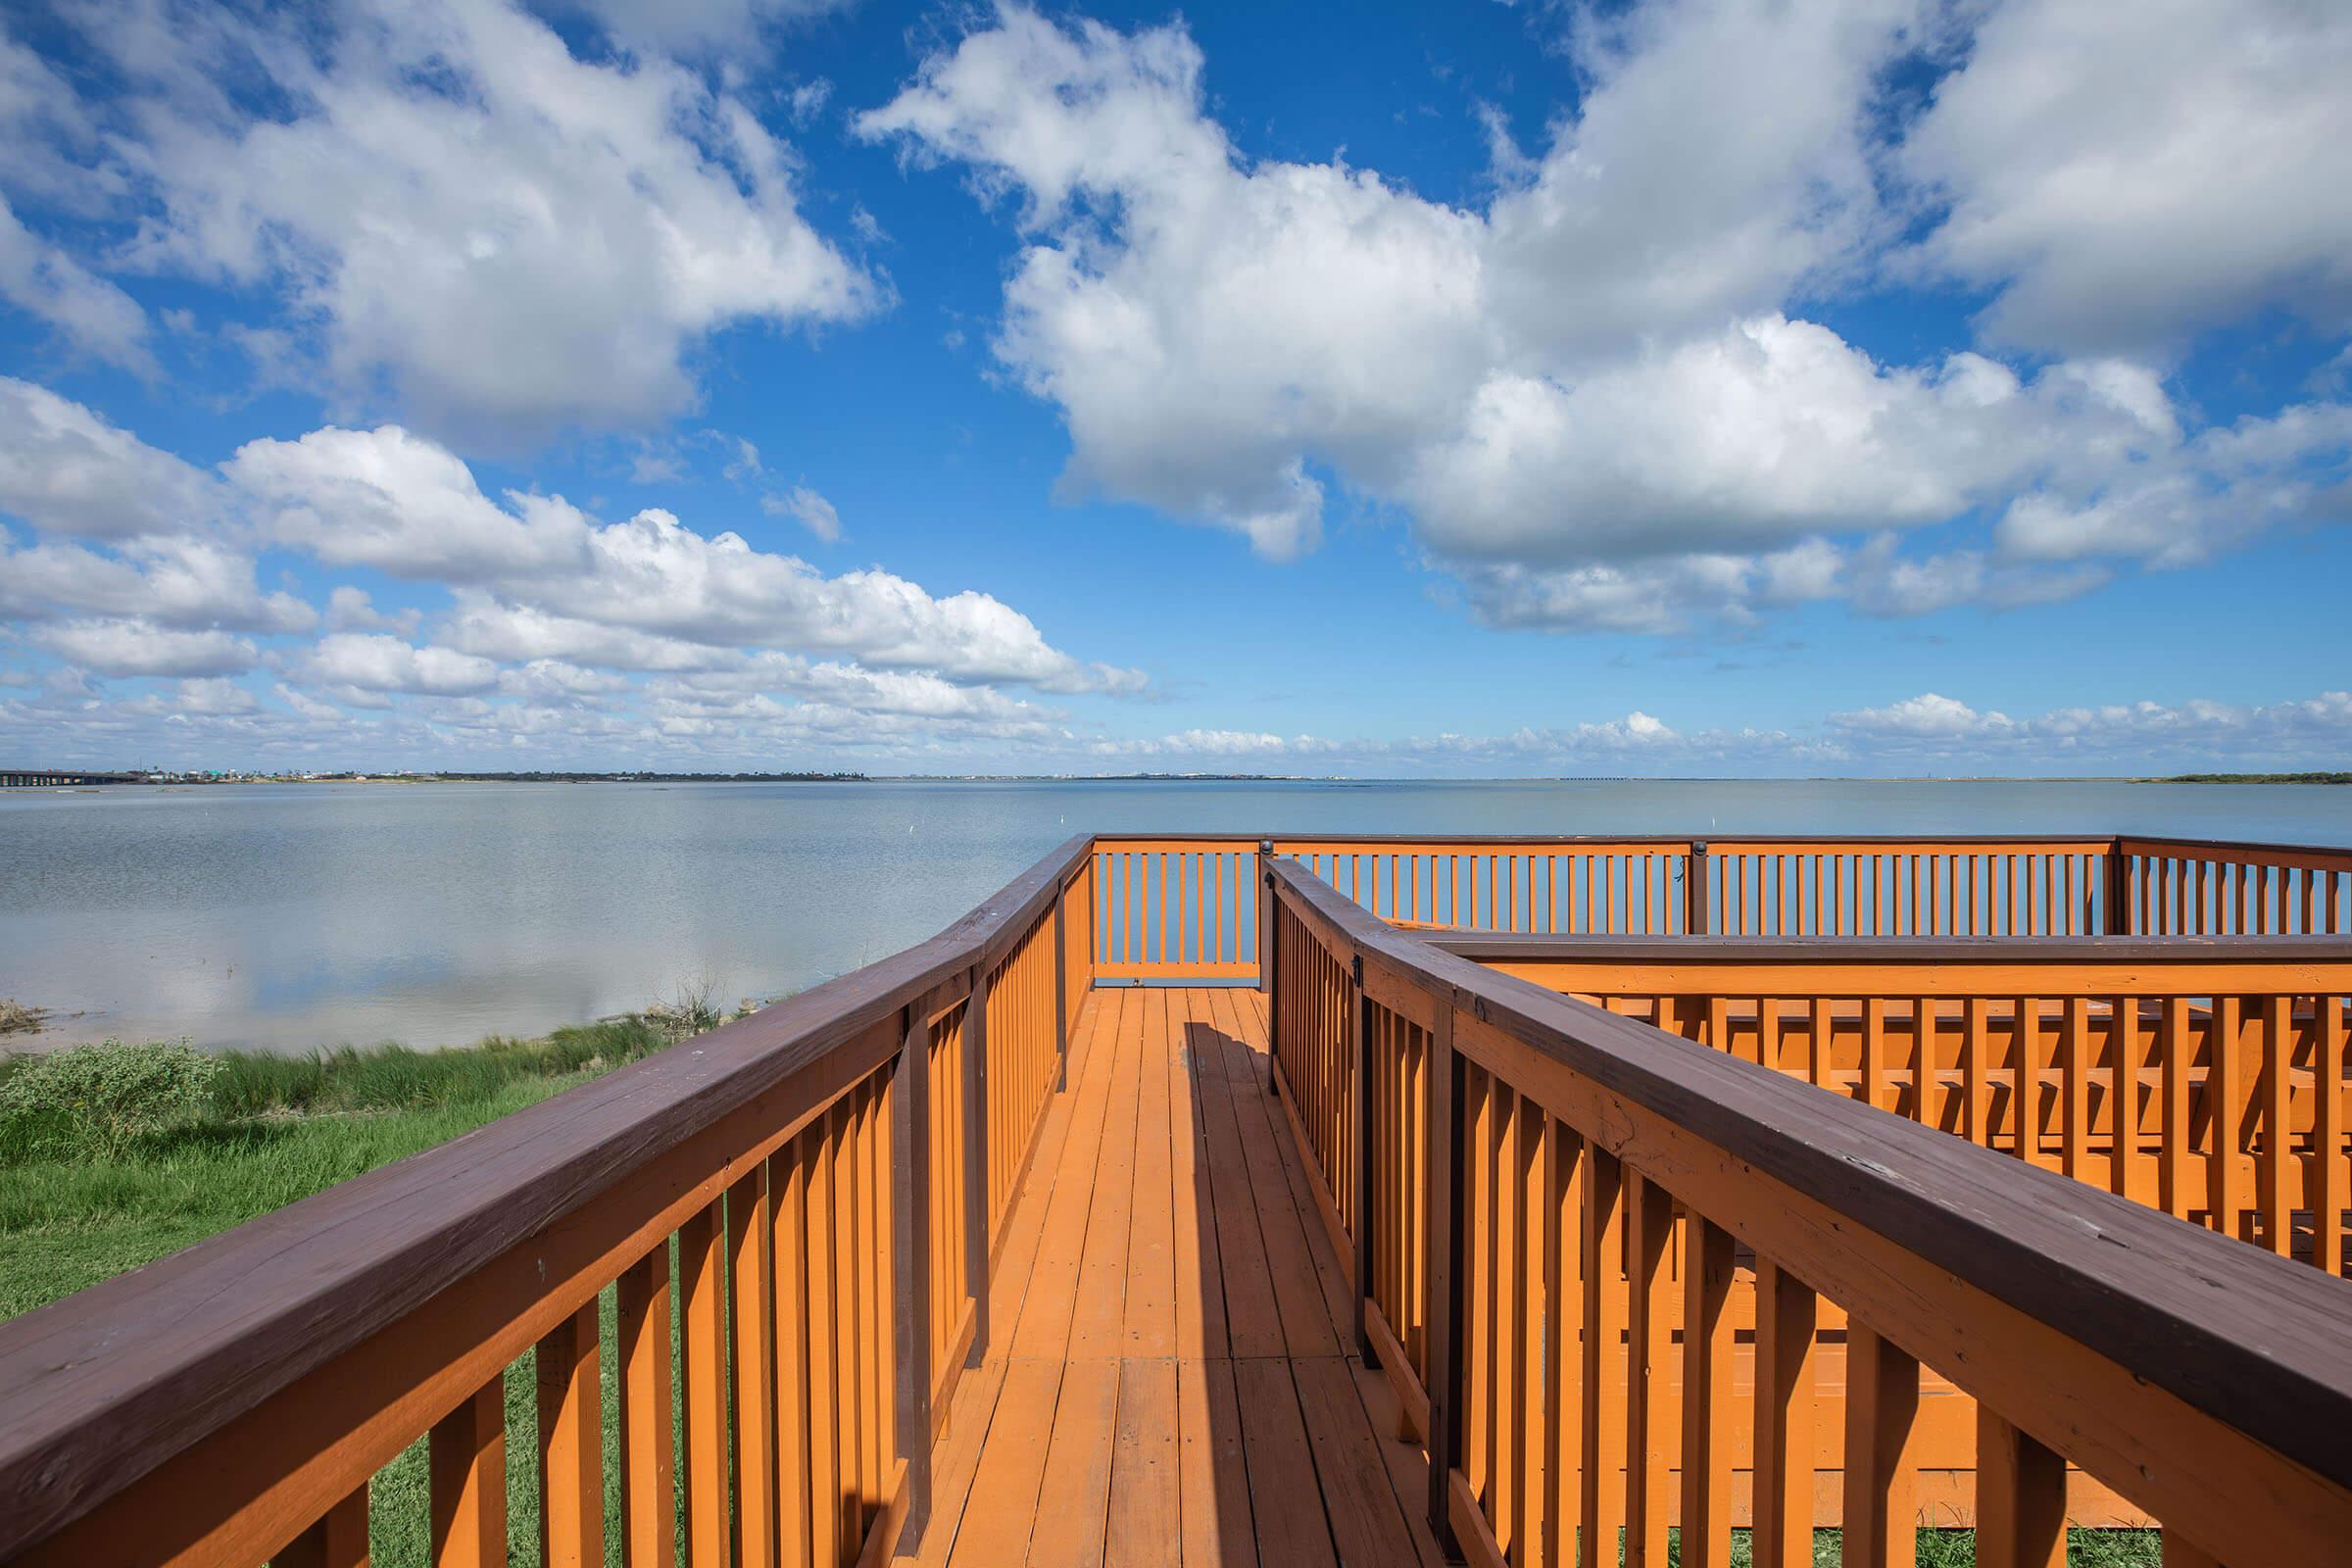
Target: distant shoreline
column 186, row 780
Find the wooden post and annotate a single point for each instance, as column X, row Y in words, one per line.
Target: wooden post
column 976, row 1239
column 1695, row 916
column 1444, row 1228
column 1265, row 915
column 910, row 1267
column 1062, row 994
column 1359, row 1030
column 2117, row 921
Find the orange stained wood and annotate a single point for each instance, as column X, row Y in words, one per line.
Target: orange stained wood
column 1169, row 1381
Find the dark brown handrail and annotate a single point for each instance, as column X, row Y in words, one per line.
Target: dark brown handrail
column 2252, row 1340
column 1503, row 946
column 99, row 1390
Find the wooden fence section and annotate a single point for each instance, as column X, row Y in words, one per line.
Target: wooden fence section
column 1180, row 910
column 790, row 1221
column 1556, row 885
column 1659, row 1285
column 1868, row 887
column 1175, row 908
column 2204, row 1078
column 2186, row 887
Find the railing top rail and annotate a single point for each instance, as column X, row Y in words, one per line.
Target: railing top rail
column 1722, row 840
column 2252, row 1340
column 2337, row 857
column 97, row 1389
column 1828, row 951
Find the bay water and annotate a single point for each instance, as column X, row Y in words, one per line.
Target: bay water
column 289, row 917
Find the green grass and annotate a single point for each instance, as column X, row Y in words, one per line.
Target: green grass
column 1957, row 1549
column 277, row 1129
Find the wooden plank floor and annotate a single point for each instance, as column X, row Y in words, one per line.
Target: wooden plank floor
column 1170, row 1377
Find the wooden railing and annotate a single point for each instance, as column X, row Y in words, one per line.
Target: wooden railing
column 2204, row 1078
column 2189, row 887
column 805, row 1200
column 1556, row 1194
column 1183, row 909
column 1175, row 908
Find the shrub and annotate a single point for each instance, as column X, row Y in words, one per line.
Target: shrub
column 103, row 1098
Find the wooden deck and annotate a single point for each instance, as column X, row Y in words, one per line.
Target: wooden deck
column 1170, row 1375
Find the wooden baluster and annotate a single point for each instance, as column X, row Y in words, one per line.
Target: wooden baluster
column 572, row 1444
column 1520, row 1135
column 1444, row 1253
column 1365, row 1062
column 2075, row 1072
column 2224, row 1107
column 1924, row 1081
column 1649, row 1225
column 2328, row 1170
column 1479, row 1117
column 873, row 1299
column 648, row 1450
column 849, row 1350
column 2172, row 1164
column 1873, row 1085
column 1824, row 1039
column 828, row 1434
column 1784, row 1409
column 978, row 1241
column 1563, row 1450
column 2021, row 1497
column 702, row 1286
column 1882, row 1408
column 1706, row 1457
column 788, row 1252
column 2123, row 1102
column 467, row 1469
column 2277, row 1133
column 337, row 1539
column 2025, row 1099
column 1601, row 1507
column 1974, row 1050
column 751, row 1268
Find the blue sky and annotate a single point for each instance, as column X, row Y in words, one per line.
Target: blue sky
column 1873, row 387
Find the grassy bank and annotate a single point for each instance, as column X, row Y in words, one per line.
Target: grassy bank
column 269, row 1130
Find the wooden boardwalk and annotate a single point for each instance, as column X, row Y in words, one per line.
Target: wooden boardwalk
column 1170, row 1375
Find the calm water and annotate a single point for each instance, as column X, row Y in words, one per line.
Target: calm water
column 295, row 915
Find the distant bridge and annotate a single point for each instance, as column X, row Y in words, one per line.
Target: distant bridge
column 23, row 779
